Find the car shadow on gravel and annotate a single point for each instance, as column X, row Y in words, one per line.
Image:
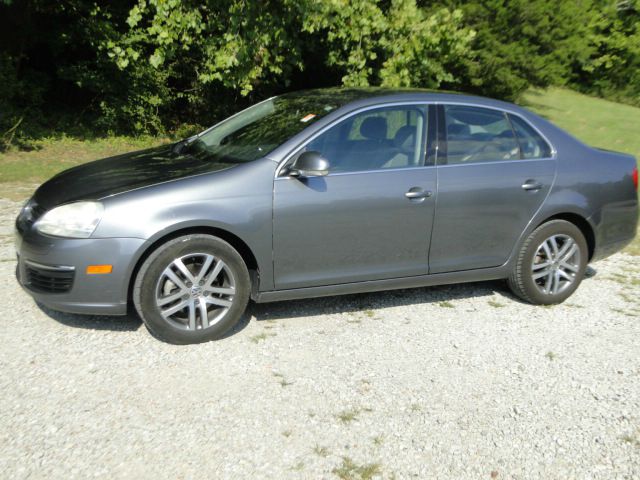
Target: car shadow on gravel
column 440, row 295
column 365, row 302
column 126, row 323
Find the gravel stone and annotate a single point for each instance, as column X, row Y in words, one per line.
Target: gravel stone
column 394, row 381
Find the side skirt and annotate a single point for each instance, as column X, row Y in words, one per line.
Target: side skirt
column 479, row 275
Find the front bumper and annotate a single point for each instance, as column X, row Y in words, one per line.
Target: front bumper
column 53, row 271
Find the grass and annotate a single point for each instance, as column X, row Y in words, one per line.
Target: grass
column 321, row 451
column 261, row 337
column 550, row 355
column 632, row 439
column 624, row 279
column 52, row 155
column 495, row 304
column 347, row 416
column 597, row 122
column 349, row 470
column 446, row 304
column 281, row 380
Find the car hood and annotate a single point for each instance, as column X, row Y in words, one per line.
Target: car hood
column 122, row 173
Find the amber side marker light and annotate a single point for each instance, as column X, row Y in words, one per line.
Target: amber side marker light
column 99, row 269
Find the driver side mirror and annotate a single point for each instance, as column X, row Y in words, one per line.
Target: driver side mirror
column 309, row 164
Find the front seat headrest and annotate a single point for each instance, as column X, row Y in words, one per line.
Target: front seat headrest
column 374, row 128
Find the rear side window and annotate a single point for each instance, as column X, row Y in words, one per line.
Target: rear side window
column 476, row 134
column 532, row 145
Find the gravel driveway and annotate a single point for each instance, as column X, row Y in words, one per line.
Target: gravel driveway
column 450, row 382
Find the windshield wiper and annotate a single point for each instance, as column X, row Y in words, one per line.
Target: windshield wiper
column 182, row 144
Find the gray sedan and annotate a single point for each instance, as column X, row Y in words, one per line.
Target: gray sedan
column 326, row 192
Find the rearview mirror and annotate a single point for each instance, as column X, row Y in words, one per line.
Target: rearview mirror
column 309, row 164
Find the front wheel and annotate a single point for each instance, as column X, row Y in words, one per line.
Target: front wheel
column 551, row 263
column 192, row 289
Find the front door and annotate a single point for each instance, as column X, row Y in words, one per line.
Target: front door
column 496, row 173
column 370, row 218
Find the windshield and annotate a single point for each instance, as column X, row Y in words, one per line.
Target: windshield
column 256, row 131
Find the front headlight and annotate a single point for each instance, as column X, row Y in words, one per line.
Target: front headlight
column 74, row 220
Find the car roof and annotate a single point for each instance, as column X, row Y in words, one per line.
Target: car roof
column 363, row 96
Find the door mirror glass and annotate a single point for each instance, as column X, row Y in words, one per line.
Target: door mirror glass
column 309, row 164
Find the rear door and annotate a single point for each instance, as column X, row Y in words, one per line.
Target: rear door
column 493, row 175
column 370, row 218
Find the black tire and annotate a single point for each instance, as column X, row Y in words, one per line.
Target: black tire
column 521, row 281
column 147, row 285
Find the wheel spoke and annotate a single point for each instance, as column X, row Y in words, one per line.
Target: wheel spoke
column 541, row 274
column 221, row 290
column 174, row 278
column 538, row 266
column 205, row 267
column 568, row 266
column 218, row 301
column 183, row 269
column 556, row 282
column 564, row 274
column 176, row 308
column 554, row 246
column 171, row 298
column 214, row 273
column 204, row 316
column 570, row 253
column 547, row 250
column 549, row 281
column 192, row 315
column 569, row 243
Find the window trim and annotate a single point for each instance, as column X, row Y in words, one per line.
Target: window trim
column 442, row 135
column 424, row 104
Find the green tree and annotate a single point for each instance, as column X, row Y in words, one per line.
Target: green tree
column 612, row 69
column 257, row 47
column 523, row 43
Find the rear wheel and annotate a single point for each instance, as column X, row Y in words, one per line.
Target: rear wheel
column 551, row 263
column 192, row 289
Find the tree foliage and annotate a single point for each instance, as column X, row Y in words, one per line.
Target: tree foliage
column 145, row 66
column 612, row 67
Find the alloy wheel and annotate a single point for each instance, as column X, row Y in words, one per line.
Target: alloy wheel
column 555, row 264
column 195, row 291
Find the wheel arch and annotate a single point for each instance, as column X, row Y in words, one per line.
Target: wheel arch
column 579, row 221
column 236, row 242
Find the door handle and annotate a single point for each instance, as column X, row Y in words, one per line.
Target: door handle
column 531, row 185
column 417, row 192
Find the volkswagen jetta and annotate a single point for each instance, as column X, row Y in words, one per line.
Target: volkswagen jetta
column 326, row 192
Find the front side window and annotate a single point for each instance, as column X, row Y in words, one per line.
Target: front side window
column 382, row 138
column 477, row 134
column 532, row 145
